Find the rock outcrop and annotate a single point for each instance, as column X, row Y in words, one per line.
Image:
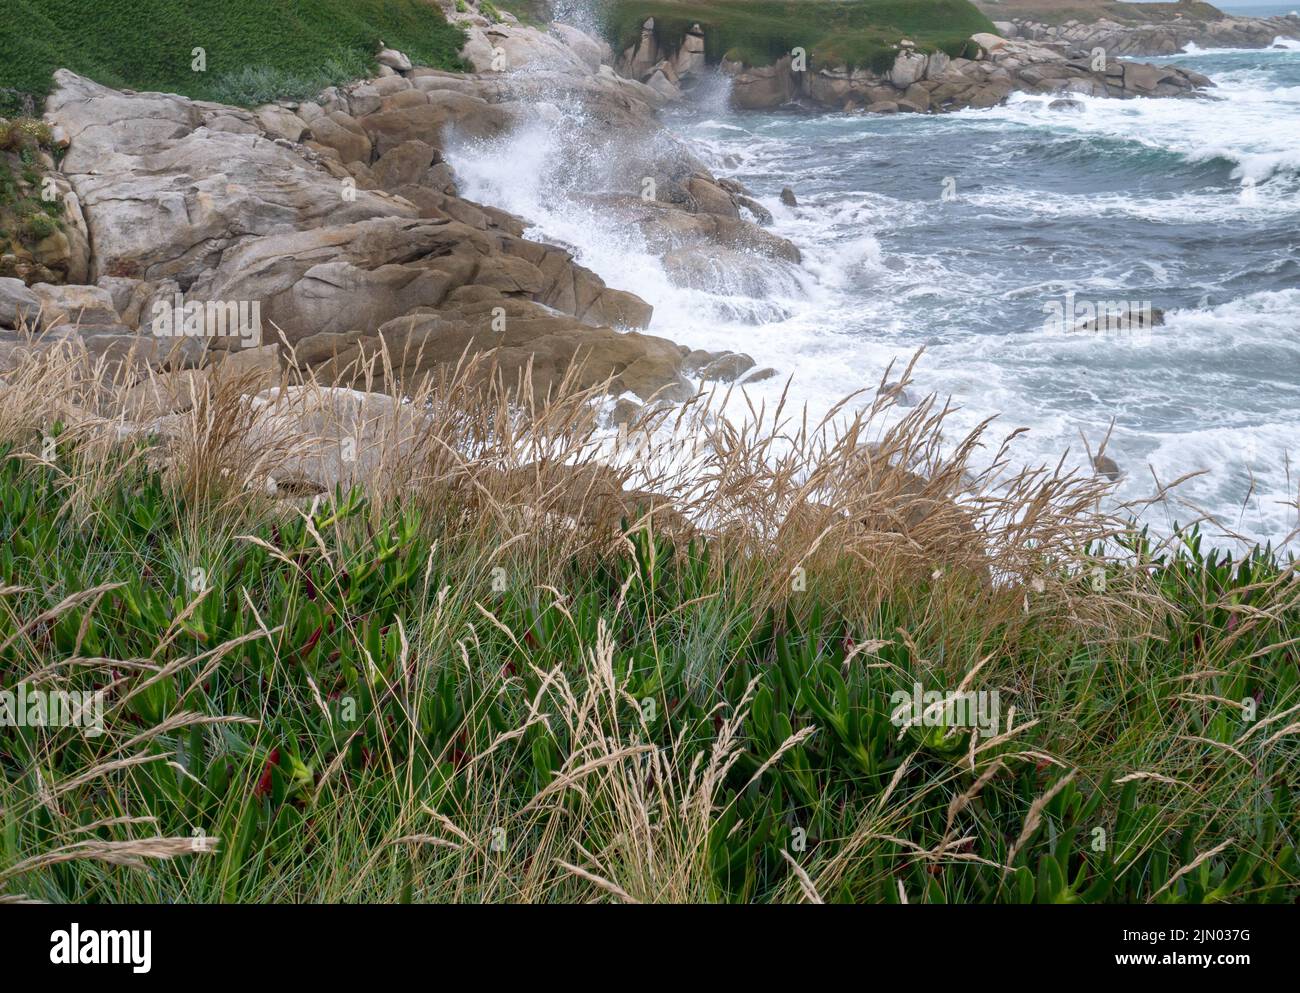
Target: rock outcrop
column 335, row 226
column 333, row 219
column 1164, row 37
column 921, row 82
column 917, row 81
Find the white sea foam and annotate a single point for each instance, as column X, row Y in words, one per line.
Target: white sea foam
column 1217, row 388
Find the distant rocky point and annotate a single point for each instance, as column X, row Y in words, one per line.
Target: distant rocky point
column 915, row 82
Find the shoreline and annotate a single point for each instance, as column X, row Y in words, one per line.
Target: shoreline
column 369, row 143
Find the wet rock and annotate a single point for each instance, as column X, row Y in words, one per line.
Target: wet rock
column 1104, row 465
column 727, row 368
column 761, row 214
column 445, row 113
column 902, row 396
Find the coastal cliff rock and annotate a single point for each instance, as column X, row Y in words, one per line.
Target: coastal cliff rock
column 201, row 200
column 338, row 223
column 919, row 82
column 916, row 81
column 1165, row 37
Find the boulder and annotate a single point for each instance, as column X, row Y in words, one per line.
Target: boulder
column 164, row 197
column 1104, row 465
column 690, row 57
column 727, row 368
column 710, row 198
column 936, row 65
column 17, row 303
column 343, row 134
column 278, row 122
column 762, row 216
column 346, row 276
column 1143, row 78
column 761, row 87
column 163, row 393
column 512, row 47
column 447, row 115
column 590, row 50
column 395, row 60
column 331, row 437
column 663, row 80
column 81, row 306
column 715, row 269
column 895, row 391
column 908, row 68
column 404, row 164
column 551, row 347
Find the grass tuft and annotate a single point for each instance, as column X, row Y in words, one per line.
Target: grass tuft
column 493, row 675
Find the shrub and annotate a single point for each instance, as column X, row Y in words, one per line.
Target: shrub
column 39, row 226
column 24, row 134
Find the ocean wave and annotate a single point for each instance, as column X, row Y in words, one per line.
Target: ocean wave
column 1047, row 203
column 1279, row 43
column 1142, row 134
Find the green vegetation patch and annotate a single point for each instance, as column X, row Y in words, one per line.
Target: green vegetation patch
column 1060, row 11
column 26, row 217
column 862, row 33
column 255, row 50
column 316, row 695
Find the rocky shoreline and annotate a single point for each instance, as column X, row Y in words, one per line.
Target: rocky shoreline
column 917, row 82
column 340, row 218
column 340, row 223
column 1165, row 38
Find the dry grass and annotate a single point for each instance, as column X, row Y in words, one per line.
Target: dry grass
column 864, row 512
